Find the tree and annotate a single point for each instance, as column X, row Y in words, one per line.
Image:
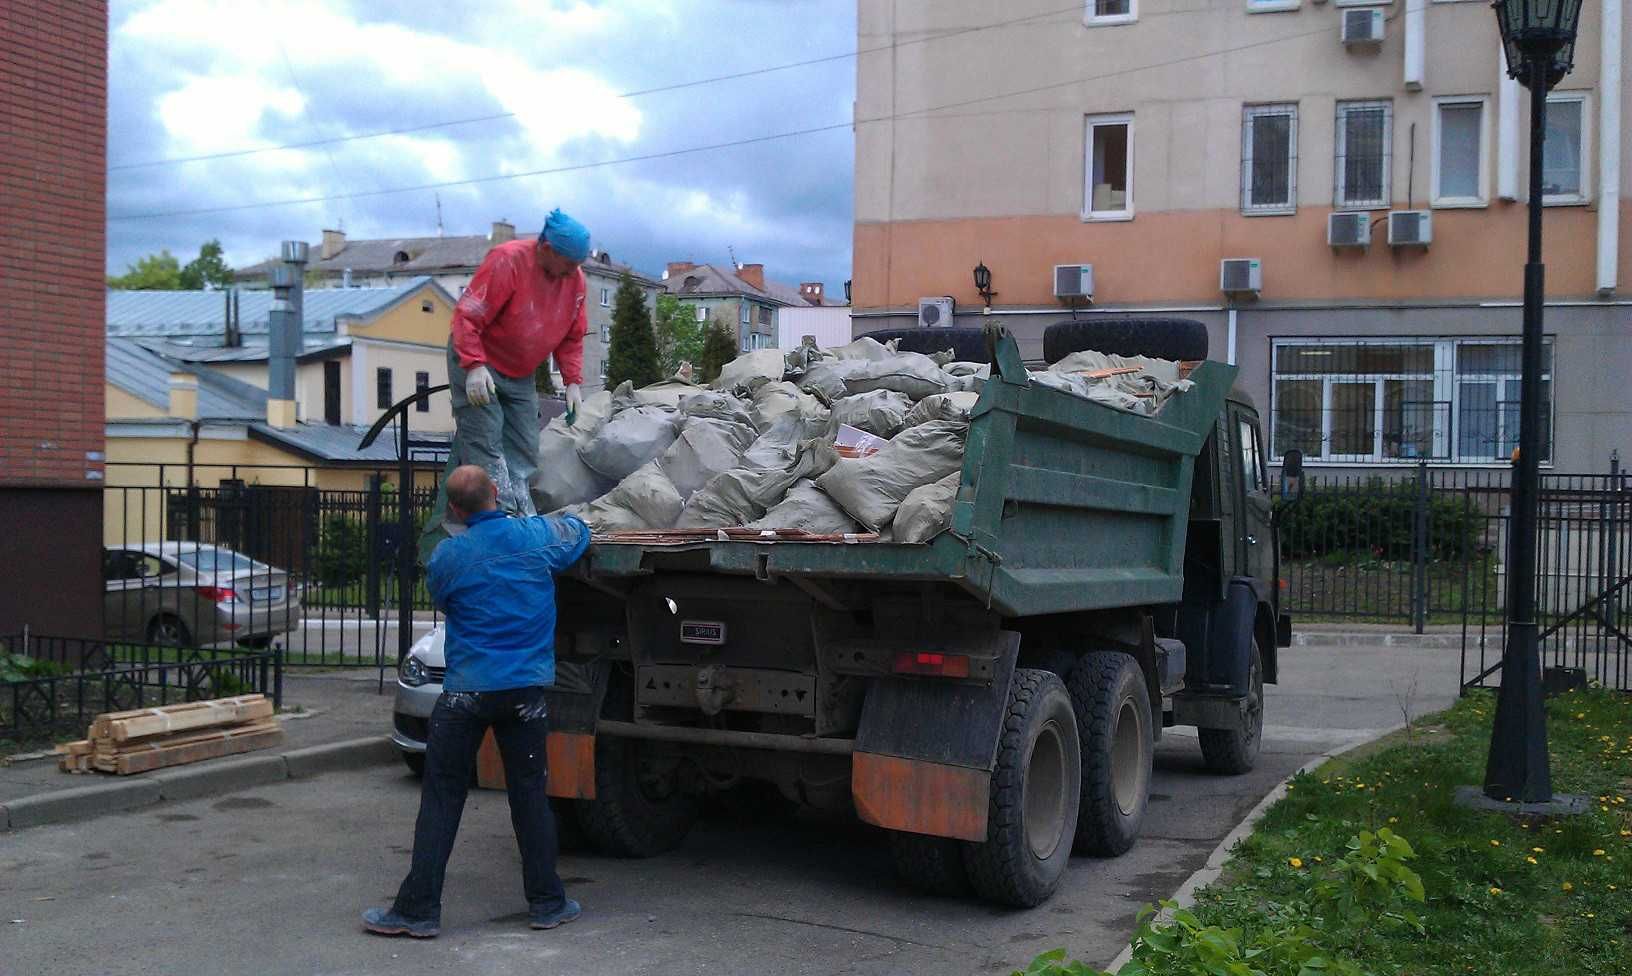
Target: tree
column 679, row 334
column 155, row 272
column 208, row 269
column 633, row 352
column 719, row 348
column 543, row 382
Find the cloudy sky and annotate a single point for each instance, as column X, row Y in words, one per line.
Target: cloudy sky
column 194, row 78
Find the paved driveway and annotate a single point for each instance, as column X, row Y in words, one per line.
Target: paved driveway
column 271, row 880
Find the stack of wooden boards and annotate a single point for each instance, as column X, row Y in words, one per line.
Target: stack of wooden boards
column 152, row 738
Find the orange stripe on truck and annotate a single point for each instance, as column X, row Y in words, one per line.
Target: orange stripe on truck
column 921, row 797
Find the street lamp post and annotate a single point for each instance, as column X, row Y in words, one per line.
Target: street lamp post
column 1539, row 39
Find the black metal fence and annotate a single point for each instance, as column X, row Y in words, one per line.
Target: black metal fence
column 53, row 686
column 306, row 559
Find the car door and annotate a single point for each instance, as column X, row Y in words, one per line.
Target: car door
column 122, row 593
column 1257, row 541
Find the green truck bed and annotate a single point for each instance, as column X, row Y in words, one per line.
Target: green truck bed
column 1065, row 504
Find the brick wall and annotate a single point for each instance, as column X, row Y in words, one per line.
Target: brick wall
column 53, row 158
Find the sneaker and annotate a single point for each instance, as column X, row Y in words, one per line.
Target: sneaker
column 385, row 921
column 561, row 916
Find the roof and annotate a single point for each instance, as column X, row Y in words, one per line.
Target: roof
column 145, row 375
column 713, row 281
column 175, row 314
column 425, row 256
column 253, row 351
column 338, row 444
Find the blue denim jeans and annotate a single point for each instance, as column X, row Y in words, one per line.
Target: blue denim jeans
column 458, row 723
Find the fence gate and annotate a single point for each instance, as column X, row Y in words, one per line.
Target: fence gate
column 1583, row 587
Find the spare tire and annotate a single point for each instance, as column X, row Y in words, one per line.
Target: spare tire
column 967, row 345
column 1157, row 338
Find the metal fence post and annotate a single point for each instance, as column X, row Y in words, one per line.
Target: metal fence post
column 372, row 515
column 1419, row 552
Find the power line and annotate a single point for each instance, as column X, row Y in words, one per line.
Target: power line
column 796, row 133
column 634, row 93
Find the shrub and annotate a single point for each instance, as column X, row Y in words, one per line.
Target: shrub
column 1377, row 519
column 342, row 551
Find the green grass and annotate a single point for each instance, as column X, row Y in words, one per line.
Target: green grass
column 1495, row 904
column 1344, row 587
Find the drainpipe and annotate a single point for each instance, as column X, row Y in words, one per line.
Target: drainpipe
column 1507, row 130
column 1609, row 146
column 1231, row 340
column 1416, row 25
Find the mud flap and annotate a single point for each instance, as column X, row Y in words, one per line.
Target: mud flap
column 574, row 704
column 926, row 746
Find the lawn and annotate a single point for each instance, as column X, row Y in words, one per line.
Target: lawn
column 1362, row 589
column 1500, row 895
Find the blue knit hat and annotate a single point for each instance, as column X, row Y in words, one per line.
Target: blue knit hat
column 566, row 237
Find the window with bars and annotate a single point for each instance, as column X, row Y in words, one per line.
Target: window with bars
column 1269, row 158
column 382, row 388
column 1364, row 138
column 1402, row 400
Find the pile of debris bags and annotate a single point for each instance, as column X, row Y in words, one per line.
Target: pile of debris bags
column 856, row 439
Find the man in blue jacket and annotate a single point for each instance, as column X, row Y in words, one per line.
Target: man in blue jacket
column 495, row 582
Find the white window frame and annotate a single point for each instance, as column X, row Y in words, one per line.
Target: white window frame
column 1340, row 152
column 606, row 297
column 1483, row 199
column 1585, row 196
column 1447, row 383
column 606, row 334
column 1249, row 115
column 702, row 313
column 1089, row 124
column 1091, row 19
column 745, row 313
column 1271, row 6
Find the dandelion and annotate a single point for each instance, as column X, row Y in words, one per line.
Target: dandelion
column 1580, row 715
column 1296, row 862
column 1538, row 850
column 1626, row 833
column 1495, row 843
column 1532, row 860
column 1393, row 819
column 1495, row 890
column 1567, row 886
column 1598, row 852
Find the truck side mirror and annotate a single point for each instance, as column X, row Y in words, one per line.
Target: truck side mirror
column 1292, row 476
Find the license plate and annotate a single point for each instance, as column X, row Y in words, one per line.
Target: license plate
column 702, row 632
column 266, row 594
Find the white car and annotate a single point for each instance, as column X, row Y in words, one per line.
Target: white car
column 419, row 684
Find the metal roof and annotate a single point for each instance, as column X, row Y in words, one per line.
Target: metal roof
column 712, row 282
column 145, row 375
column 338, row 443
column 171, row 314
column 423, row 256
column 254, row 350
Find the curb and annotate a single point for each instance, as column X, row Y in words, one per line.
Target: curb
column 1425, row 642
column 1185, row 896
column 192, row 782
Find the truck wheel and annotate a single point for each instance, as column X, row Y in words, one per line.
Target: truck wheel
column 1158, row 338
column 1113, row 719
column 967, row 345
column 1235, row 751
column 933, row 865
column 1034, row 793
column 638, row 811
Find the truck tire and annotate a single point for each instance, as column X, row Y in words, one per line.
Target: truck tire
column 1235, row 751
column 933, row 865
column 1118, row 748
column 967, row 345
column 633, row 814
column 1034, row 793
column 1158, row 338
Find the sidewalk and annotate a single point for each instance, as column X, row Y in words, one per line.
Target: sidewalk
column 335, row 714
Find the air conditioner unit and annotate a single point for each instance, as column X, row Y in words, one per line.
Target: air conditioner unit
column 1074, row 281
column 935, row 312
column 1410, row 228
column 1363, row 25
column 1237, row 275
column 1351, row 229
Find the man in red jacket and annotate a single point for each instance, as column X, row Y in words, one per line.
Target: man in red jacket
column 525, row 304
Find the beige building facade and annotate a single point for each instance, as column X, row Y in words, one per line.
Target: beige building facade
column 1153, row 139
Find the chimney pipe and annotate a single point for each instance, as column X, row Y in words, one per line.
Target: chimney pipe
column 503, row 230
column 811, row 291
column 285, row 326
column 334, row 241
column 677, row 268
column 753, row 274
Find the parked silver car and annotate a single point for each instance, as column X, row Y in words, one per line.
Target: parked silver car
column 192, row 595
column 419, row 684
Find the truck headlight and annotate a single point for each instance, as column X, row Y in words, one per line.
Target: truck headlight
column 413, row 672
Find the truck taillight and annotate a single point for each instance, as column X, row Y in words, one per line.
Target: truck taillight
column 932, row 663
column 217, row 594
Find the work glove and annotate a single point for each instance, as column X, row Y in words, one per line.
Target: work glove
column 479, row 386
column 575, row 399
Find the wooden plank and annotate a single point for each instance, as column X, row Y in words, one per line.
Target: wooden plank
column 183, row 738
column 122, row 727
column 248, row 739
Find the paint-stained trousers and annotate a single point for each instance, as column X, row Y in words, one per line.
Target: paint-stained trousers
column 502, row 437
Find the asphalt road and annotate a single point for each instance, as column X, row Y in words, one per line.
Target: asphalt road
column 271, row 881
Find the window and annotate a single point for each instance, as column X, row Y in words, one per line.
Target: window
column 745, row 340
column 331, row 391
column 702, row 314
column 422, row 382
column 1109, row 190
column 426, row 306
column 1401, row 400
column 746, row 313
column 1364, row 136
column 1270, row 6
column 1101, row 13
column 606, row 298
column 382, row 388
column 606, row 334
column 1563, row 160
column 764, row 315
column 759, row 340
column 1252, row 461
column 1269, row 159
column 603, row 369
column 1459, row 168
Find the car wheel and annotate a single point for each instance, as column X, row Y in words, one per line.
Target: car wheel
column 169, row 631
column 415, row 761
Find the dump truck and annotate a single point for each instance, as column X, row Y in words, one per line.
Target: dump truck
column 990, row 698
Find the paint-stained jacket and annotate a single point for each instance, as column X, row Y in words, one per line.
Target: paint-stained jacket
column 512, row 316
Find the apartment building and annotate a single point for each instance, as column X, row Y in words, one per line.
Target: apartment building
column 1353, row 173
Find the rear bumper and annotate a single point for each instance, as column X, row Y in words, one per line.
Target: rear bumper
column 238, row 623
